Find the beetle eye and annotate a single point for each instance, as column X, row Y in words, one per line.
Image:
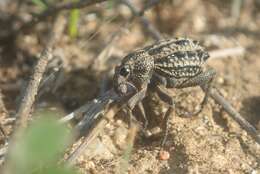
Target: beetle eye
column 124, row 71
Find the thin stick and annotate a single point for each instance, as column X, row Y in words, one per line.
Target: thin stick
column 95, row 120
column 89, row 111
column 75, row 114
column 3, row 110
column 235, row 115
column 28, row 99
column 3, row 151
column 87, row 140
column 52, row 81
column 31, row 91
column 94, row 126
column 145, row 22
column 2, row 105
column 222, row 53
column 96, row 108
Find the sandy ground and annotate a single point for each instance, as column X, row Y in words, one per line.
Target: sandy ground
column 210, row 143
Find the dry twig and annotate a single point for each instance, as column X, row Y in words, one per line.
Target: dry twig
column 96, row 108
column 145, row 22
column 90, row 112
column 236, row 51
column 3, row 110
column 95, row 119
column 235, row 115
column 28, row 99
column 2, row 105
column 29, row 96
column 3, row 151
column 91, row 135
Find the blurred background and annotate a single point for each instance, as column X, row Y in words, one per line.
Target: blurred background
column 92, row 40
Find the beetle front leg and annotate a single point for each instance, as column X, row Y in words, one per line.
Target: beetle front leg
column 132, row 102
column 140, row 107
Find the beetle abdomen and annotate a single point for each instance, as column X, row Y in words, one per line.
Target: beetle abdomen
column 181, row 64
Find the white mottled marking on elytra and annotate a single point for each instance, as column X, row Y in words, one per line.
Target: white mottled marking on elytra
column 165, row 64
column 177, row 64
column 171, row 65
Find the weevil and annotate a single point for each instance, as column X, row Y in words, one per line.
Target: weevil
column 170, row 63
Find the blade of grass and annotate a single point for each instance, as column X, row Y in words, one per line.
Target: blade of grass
column 73, row 22
column 236, row 8
column 126, row 157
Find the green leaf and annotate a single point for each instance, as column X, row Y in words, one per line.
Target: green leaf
column 39, row 147
column 73, row 23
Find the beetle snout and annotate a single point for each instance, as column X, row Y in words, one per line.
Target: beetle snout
column 121, row 84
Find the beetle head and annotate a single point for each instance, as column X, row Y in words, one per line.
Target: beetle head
column 134, row 72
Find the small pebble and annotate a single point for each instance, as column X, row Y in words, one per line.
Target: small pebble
column 164, row 155
column 220, row 80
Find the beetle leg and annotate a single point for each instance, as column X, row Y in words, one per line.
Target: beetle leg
column 132, row 102
column 167, row 99
column 140, row 107
column 204, row 80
